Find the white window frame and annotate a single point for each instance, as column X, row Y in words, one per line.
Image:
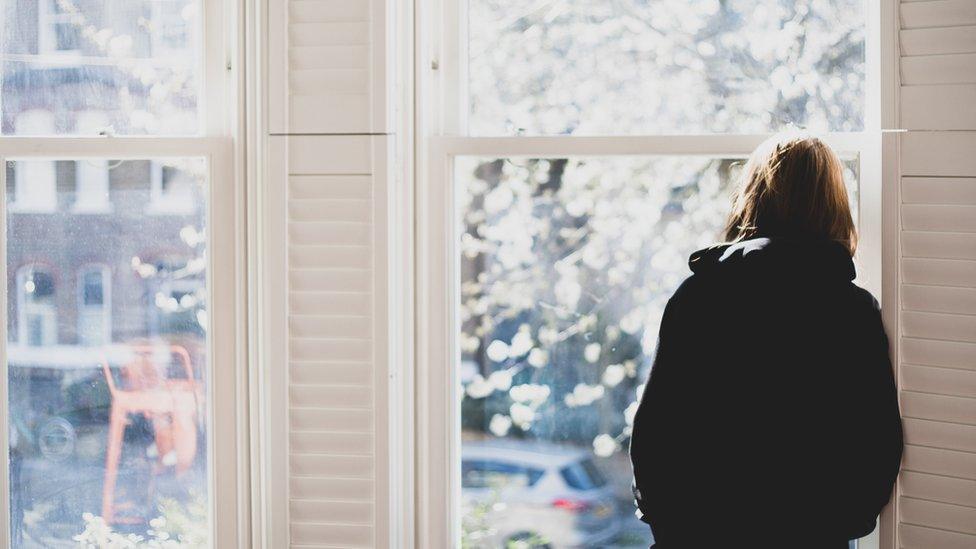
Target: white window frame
column 440, row 88
column 219, row 105
column 105, row 309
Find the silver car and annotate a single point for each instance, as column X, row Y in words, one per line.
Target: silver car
column 521, row 494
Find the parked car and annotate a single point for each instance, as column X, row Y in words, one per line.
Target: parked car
column 536, row 493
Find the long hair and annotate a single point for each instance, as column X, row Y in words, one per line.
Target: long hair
column 792, row 187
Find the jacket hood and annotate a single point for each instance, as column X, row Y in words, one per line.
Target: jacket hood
column 799, row 258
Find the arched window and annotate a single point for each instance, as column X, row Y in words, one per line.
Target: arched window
column 37, row 324
column 94, row 306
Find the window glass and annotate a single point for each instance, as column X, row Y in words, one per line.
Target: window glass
column 664, row 66
column 566, row 265
column 132, row 65
column 107, row 366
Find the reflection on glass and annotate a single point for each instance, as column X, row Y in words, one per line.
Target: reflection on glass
column 566, row 265
column 666, row 66
column 107, row 359
column 83, row 67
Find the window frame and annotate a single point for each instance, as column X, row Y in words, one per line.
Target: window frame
column 440, row 86
column 219, row 120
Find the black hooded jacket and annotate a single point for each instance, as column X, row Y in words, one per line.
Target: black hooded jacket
column 770, row 417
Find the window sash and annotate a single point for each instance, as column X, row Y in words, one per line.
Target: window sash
column 224, row 305
column 438, row 279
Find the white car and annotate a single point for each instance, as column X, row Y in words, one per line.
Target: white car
column 521, row 494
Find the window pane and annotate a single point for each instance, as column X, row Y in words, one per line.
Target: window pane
column 107, row 363
column 664, row 66
column 80, row 67
column 566, row 265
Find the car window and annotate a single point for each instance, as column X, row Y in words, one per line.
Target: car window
column 497, row 474
column 583, row 475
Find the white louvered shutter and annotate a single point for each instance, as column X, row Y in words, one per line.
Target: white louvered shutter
column 937, row 356
column 328, row 137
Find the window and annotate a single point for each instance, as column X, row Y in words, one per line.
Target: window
column 171, row 189
column 92, row 175
column 35, row 181
column 94, row 306
column 122, row 355
column 37, row 318
column 57, row 31
column 560, row 209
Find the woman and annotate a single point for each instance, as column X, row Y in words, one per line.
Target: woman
column 770, row 418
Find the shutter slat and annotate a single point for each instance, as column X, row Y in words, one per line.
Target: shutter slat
column 331, row 373
column 331, row 536
column 945, row 381
column 329, row 233
column 939, row 272
column 939, row 515
column 329, row 57
column 336, row 444
column 956, row 68
column 322, row 326
column 939, row 326
column 332, row 209
column 939, row 218
column 329, row 257
column 930, row 352
column 329, row 396
column 333, row 81
column 938, row 190
column 341, row 113
column 316, row 465
column 312, row 419
column 919, row 537
column 323, row 280
column 948, row 154
column 939, row 299
column 939, row 488
column 346, row 33
column 940, row 462
column 938, row 13
column 936, row 107
column 330, row 349
column 329, row 186
column 344, row 512
column 938, row 407
column 329, row 303
column 326, row 11
column 938, row 245
column 329, row 154
column 938, row 40
column 937, row 434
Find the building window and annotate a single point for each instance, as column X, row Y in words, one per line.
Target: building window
column 35, row 181
column 37, row 319
column 57, row 30
column 94, row 306
column 171, row 189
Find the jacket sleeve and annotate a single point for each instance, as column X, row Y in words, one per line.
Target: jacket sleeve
column 877, row 458
column 654, row 427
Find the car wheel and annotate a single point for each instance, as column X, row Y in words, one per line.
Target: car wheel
column 527, row 540
column 56, row 439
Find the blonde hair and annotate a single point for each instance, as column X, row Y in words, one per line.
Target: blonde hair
column 792, row 186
